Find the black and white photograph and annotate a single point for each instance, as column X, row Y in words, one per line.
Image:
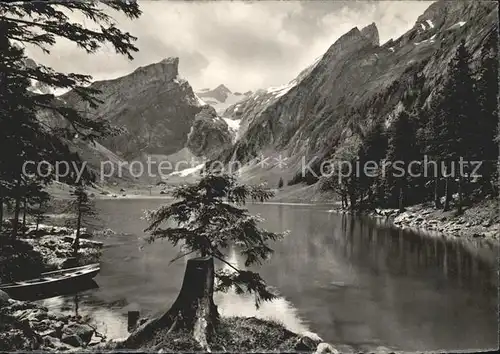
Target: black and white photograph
column 294, row 176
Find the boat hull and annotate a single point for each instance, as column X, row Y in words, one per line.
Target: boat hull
column 66, row 281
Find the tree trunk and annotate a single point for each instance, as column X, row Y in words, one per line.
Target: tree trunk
column 38, row 217
column 1, row 214
column 401, row 200
column 193, row 310
column 447, row 194
column 76, row 242
column 437, row 197
column 460, row 197
column 17, row 206
column 345, row 203
column 24, row 216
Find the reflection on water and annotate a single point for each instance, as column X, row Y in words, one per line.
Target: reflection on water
column 108, row 319
column 351, row 280
column 280, row 310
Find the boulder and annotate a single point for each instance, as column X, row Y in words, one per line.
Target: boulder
column 36, row 315
column 325, row 348
column 49, row 332
column 59, row 317
column 4, row 298
column 306, row 343
column 486, row 223
column 55, row 343
column 72, row 339
column 86, row 235
column 84, row 332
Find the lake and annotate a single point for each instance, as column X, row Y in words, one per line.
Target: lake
column 357, row 282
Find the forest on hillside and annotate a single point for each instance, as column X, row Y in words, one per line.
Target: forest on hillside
column 451, row 138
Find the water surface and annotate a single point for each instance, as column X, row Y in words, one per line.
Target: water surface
column 357, row 283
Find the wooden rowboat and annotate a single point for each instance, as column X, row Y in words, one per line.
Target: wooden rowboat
column 52, row 282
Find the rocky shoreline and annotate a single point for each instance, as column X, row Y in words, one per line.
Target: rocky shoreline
column 25, row 325
column 480, row 221
column 53, row 243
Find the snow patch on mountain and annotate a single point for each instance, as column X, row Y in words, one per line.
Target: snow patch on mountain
column 279, row 91
column 234, row 127
column 430, row 40
column 220, row 98
column 458, row 25
column 233, row 124
column 188, row 171
column 199, row 100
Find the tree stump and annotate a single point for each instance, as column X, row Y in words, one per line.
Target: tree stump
column 193, row 310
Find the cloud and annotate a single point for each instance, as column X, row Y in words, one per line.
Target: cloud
column 245, row 45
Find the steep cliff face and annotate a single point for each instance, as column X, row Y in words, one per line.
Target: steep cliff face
column 313, row 115
column 155, row 107
column 210, row 134
column 160, row 116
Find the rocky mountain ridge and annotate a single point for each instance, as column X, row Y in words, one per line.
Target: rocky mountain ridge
column 153, row 104
column 355, row 84
column 160, row 115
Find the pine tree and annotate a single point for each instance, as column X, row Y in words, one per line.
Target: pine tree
column 211, row 220
column 37, row 208
column 280, row 183
column 40, row 23
column 373, row 149
column 400, row 152
column 342, row 177
column 487, row 119
column 83, row 207
column 23, row 137
column 454, row 126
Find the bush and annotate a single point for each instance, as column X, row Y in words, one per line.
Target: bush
column 18, row 260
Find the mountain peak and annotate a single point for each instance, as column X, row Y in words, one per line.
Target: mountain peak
column 222, row 88
column 370, row 32
column 168, row 69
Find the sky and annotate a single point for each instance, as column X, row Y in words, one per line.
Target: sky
column 245, row 45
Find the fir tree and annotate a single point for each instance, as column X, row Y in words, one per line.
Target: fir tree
column 23, row 138
column 373, row 150
column 342, row 178
column 37, row 208
column 210, row 221
column 454, row 127
column 83, row 207
column 400, row 152
column 280, row 183
column 487, row 118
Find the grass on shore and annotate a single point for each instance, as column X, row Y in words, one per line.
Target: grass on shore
column 233, row 334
